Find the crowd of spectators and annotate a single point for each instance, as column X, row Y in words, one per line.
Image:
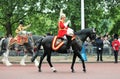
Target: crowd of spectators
column 92, row 48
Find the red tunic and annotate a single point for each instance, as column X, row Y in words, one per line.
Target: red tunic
column 115, row 45
column 62, row 30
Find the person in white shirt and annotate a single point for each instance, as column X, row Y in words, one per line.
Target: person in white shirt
column 106, row 45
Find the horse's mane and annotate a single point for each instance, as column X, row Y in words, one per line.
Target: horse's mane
column 84, row 31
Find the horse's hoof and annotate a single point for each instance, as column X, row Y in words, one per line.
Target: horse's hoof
column 32, row 60
column 73, row 71
column 39, row 70
column 22, row 64
column 9, row 64
column 84, row 70
column 3, row 60
column 55, row 71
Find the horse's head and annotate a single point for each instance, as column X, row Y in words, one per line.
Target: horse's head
column 92, row 34
column 88, row 32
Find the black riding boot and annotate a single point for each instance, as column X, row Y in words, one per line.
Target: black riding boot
column 67, row 41
column 69, row 50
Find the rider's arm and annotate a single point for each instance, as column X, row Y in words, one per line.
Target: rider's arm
column 61, row 12
column 18, row 29
column 26, row 26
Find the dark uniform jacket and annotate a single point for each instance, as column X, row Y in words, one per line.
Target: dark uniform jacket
column 99, row 44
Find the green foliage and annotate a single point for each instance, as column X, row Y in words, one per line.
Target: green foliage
column 2, row 31
column 104, row 15
column 41, row 24
column 12, row 11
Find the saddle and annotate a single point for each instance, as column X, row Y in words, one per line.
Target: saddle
column 58, row 42
column 22, row 39
column 19, row 40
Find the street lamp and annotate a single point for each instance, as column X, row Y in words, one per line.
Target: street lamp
column 82, row 15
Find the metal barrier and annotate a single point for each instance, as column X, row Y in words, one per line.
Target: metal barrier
column 91, row 50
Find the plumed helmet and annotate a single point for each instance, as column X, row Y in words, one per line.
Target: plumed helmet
column 21, row 22
column 116, row 36
column 62, row 15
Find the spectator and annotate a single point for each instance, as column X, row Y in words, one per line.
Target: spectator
column 106, row 44
column 89, row 47
column 99, row 44
column 83, row 52
column 115, row 46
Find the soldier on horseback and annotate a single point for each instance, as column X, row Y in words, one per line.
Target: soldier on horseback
column 21, row 36
column 21, row 27
column 64, row 30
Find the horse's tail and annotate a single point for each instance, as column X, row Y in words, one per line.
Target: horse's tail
column 40, row 43
column 1, row 41
column 38, row 48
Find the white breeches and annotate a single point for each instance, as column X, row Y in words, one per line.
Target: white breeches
column 70, row 32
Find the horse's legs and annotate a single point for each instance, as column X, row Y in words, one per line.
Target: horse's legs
column 22, row 62
column 5, row 58
column 35, row 60
column 83, row 63
column 31, row 51
column 34, row 56
column 49, row 61
column 41, row 59
column 73, row 62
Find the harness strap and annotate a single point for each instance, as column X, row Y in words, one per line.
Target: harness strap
column 73, row 37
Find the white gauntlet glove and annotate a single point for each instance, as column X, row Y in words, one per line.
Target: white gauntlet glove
column 66, row 24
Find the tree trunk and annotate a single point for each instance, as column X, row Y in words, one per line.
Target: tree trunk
column 8, row 29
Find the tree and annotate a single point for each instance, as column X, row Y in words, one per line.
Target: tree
column 12, row 11
column 102, row 14
column 44, row 14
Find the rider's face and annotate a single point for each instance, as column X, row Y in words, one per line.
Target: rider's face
column 63, row 18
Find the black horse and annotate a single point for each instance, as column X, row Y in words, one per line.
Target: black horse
column 76, row 45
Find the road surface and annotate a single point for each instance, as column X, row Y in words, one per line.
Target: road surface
column 94, row 71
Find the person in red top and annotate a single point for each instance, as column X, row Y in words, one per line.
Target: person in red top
column 63, row 29
column 115, row 46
